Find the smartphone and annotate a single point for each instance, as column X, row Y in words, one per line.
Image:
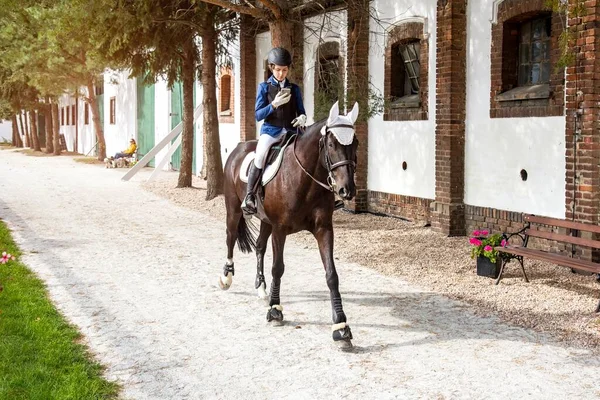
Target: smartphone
column 285, row 90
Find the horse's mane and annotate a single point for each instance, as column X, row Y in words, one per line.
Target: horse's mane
column 314, row 128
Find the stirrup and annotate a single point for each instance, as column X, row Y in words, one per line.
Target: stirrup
column 248, row 209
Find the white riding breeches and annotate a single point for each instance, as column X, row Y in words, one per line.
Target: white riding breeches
column 262, row 148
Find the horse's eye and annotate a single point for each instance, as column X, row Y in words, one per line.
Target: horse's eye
column 330, row 145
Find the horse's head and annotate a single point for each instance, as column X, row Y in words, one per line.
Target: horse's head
column 339, row 145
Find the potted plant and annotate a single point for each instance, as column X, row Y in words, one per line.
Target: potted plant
column 488, row 259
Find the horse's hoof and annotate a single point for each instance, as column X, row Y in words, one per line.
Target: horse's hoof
column 225, row 281
column 344, row 345
column 341, row 333
column 275, row 315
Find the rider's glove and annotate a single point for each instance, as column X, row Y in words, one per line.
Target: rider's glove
column 281, row 99
column 299, row 121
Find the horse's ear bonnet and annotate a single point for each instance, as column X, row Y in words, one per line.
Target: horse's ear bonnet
column 342, row 126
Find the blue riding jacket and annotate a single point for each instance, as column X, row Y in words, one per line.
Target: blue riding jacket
column 263, row 107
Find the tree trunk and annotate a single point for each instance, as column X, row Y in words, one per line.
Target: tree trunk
column 34, row 130
column 17, row 142
column 214, row 164
column 187, row 142
column 48, row 116
column 290, row 35
column 23, row 132
column 55, row 130
column 28, row 141
column 93, row 101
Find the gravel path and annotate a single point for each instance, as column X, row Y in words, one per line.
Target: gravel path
column 137, row 275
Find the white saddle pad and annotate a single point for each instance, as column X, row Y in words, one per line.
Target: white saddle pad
column 269, row 172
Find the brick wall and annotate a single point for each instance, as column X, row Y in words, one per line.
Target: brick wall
column 357, row 71
column 582, row 136
column 504, row 60
column 412, row 208
column 448, row 213
column 403, row 32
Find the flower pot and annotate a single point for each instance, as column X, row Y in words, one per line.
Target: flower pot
column 487, row 268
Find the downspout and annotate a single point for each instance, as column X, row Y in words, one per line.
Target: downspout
column 76, row 149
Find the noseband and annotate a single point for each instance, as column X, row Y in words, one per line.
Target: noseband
column 326, row 161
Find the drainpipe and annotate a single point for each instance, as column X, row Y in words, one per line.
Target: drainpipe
column 75, row 150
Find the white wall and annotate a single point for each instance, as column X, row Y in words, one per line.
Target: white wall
column 497, row 149
column 125, row 127
column 331, row 28
column 5, row 131
column 263, row 46
column 66, row 101
column 229, row 134
column 393, row 142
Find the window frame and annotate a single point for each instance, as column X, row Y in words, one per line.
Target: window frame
column 112, row 106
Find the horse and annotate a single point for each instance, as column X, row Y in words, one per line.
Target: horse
column 321, row 162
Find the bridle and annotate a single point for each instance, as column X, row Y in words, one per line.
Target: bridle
column 326, row 161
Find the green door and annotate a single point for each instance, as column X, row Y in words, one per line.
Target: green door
column 145, row 118
column 176, row 116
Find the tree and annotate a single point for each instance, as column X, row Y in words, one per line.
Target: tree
column 159, row 39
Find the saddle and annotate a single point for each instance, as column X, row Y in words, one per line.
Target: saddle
column 274, row 158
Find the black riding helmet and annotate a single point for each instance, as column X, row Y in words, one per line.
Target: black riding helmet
column 280, row 56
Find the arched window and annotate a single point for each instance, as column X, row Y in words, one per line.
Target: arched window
column 329, row 78
column 406, row 69
column 225, row 93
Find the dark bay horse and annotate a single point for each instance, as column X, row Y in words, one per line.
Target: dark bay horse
column 300, row 197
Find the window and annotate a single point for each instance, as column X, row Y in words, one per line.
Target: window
column 62, row 115
column 67, row 115
column 86, row 113
column 534, row 52
column 99, row 89
column 329, row 78
column 524, row 52
column 113, row 105
column 73, row 115
column 406, row 68
column 225, row 94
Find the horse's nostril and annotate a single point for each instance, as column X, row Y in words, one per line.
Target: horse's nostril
column 342, row 192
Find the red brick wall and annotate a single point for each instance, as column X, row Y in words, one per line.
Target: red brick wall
column 409, row 30
column 412, row 208
column 358, row 82
column 448, row 209
column 582, row 188
column 504, row 54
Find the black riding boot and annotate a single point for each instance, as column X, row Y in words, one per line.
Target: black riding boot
column 249, row 204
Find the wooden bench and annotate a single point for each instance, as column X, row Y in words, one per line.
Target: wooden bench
column 532, row 229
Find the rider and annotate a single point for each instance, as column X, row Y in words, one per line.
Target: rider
column 279, row 103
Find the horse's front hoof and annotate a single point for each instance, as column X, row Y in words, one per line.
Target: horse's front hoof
column 342, row 335
column 275, row 315
column 225, row 281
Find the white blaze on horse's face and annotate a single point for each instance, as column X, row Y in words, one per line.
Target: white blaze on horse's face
column 340, row 146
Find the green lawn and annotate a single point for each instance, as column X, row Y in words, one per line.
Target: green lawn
column 39, row 354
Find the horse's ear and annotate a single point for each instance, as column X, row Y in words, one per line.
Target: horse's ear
column 354, row 113
column 333, row 113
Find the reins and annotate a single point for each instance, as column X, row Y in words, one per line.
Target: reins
column 330, row 167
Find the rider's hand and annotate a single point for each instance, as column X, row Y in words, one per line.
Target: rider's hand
column 281, row 98
column 299, row 121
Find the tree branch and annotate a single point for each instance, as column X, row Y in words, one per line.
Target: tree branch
column 275, row 9
column 255, row 12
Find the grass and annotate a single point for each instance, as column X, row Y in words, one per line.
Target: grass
column 40, row 357
column 87, row 160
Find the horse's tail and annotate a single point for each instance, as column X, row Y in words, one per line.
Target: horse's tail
column 246, row 236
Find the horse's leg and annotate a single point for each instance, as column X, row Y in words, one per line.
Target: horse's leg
column 341, row 330
column 233, row 220
column 275, row 313
column 261, row 246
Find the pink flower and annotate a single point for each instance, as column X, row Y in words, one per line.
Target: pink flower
column 487, row 248
column 475, row 242
column 476, row 233
column 5, row 257
column 503, row 243
column 484, row 233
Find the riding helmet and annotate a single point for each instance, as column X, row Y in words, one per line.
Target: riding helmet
column 280, row 56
